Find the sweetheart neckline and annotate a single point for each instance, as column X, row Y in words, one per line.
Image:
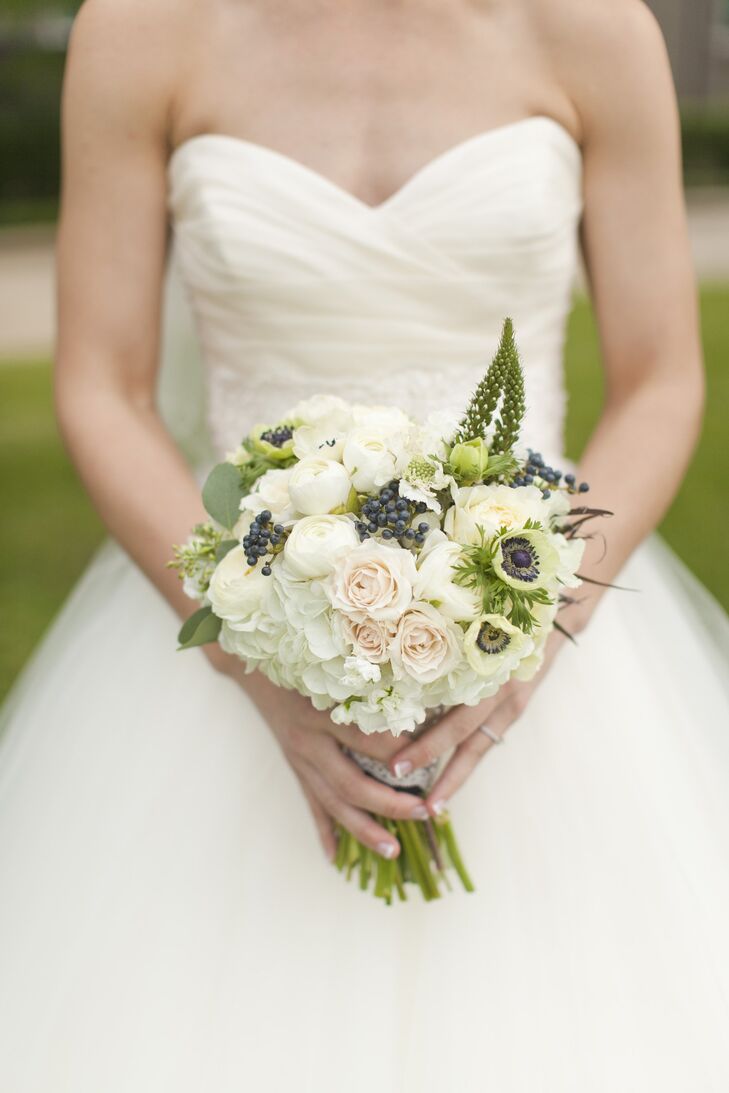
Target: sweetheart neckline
column 418, row 174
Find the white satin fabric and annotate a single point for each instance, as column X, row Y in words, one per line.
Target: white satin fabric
column 167, row 921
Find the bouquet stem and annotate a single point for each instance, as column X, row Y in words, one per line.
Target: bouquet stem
column 428, row 849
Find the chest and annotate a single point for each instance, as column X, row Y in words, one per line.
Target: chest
column 362, row 92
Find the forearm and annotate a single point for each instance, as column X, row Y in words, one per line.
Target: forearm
column 137, row 478
column 635, row 462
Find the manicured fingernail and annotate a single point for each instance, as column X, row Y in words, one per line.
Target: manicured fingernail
column 402, row 768
column 420, row 812
column 440, row 806
column 387, row 850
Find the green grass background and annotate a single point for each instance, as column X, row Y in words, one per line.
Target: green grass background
column 48, row 529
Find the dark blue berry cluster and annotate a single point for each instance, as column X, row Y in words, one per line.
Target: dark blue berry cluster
column 392, row 517
column 546, row 477
column 278, row 436
column 263, row 539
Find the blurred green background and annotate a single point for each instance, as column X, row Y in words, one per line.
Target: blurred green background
column 48, row 529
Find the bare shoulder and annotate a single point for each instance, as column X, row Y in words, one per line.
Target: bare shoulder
column 610, row 58
column 129, row 55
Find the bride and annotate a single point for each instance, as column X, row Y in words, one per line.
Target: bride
column 359, row 191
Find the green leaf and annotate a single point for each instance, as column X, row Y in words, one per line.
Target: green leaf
column 224, row 548
column 201, row 627
column 222, row 494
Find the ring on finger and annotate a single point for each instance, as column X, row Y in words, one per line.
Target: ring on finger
column 491, row 734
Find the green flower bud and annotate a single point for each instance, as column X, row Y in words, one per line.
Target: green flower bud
column 469, row 460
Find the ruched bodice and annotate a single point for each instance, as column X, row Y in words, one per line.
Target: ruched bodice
column 299, row 287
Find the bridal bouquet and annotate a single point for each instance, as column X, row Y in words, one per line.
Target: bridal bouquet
column 387, row 569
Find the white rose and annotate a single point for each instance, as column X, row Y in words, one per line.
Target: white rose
column 371, row 456
column 370, row 638
column 426, row 645
column 316, row 543
column 237, row 592
column 373, row 581
column 435, row 582
column 271, row 492
column 492, row 508
column 494, row 647
column 318, row 485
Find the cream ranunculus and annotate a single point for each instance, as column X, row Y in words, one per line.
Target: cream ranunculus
column 318, row 485
column 387, row 419
column 316, row 543
column 238, row 593
column 370, row 638
column 328, row 411
column 494, row 647
column 492, row 508
column 426, row 645
column 271, row 492
column 373, row 581
column 323, row 441
column 435, row 582
column 371, row 457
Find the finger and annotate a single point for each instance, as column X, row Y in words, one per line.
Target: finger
column 363, row 826
column 378, row 745
column 466, row 757
column 448, row 733
column 357, row 788
column 323, row 823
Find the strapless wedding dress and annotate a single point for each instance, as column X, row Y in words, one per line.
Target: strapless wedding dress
column 168, row 923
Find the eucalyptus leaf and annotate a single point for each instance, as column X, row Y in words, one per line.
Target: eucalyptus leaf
column 201, row 627
column 224, row 548
column 222, row 494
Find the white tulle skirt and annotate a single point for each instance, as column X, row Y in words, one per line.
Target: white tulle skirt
column 168, row 923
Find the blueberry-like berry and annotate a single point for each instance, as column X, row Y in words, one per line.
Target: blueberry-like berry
column 421, row 507
column 264, row 516
column 409, row 534
column 528, row 479
column 387, row 534
column 423, row 528
column 251, row 560
column 570, row 479
column 278, row 528
column 386, row 495
column 266, row 571
column 372, row 526
column 402, row 505
column 546, row 494
column 583, row 487
column 382, row 519
column 419, row 538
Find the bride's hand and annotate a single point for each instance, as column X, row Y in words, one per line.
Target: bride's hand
column 460, row 729
column 334, row 786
